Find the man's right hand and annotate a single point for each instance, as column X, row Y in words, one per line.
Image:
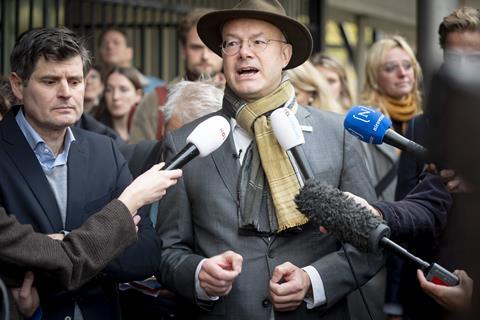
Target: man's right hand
column 218, row 273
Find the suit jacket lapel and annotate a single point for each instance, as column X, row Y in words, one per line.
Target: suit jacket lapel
column 18, row 149
column 228, row 166
column 302, row 116
column 77, row 181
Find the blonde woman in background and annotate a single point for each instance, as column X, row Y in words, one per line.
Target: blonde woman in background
column 311, row 88
column 393, row 76
column 392, row 79
column 337, row 78
column 392, row 83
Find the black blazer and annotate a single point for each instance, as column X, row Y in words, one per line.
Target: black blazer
column 97, row 173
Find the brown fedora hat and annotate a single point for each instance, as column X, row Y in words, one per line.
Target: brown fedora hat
column 210, row 25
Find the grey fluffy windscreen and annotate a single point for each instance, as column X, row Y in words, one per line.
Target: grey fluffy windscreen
column 339, row 214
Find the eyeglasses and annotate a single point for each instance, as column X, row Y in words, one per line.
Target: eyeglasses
column 394, row 67
column 232, row 47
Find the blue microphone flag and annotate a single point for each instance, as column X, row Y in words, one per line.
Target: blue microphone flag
column 367, row 124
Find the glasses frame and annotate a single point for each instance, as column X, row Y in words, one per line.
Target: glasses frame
column 249, row 41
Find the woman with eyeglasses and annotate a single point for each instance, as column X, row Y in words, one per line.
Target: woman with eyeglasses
column 391, row 86
column 393, row 76
column 392, row 81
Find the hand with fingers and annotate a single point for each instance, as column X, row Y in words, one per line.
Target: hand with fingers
column 453, row 182
column 218, row 273
column 288, row 287
column 149, row 187
column 452, row 298
column 26, row 297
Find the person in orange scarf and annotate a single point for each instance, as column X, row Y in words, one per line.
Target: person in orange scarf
column 393, row 76
column 392, row 80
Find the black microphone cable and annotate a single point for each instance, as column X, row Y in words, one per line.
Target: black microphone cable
column 362, row 295
column 288, row 132
column 302, row 163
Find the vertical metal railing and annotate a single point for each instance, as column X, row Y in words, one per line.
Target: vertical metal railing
column 150, row 24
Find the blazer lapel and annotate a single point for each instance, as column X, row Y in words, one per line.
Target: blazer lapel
column 18, row 149
column 228, row 166
column 77, row 182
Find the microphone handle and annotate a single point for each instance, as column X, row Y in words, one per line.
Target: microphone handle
column 403, row 253
column 399, row 141
column 302, row 162
column 189, row 152
column 433, row 272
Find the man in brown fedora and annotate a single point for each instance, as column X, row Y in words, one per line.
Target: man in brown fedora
column 234, row 243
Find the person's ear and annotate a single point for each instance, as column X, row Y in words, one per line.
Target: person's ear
column 286, row 54
column 17, row 86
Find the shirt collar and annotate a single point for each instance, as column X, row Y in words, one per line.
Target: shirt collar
column 43, row 153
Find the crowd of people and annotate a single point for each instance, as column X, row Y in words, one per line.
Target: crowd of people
column 85, row 204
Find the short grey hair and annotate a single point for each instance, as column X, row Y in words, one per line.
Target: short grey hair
column 190, row 100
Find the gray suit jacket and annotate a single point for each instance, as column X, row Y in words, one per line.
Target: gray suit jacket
column 198, row 218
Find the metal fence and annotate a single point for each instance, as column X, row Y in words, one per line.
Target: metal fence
column 150, row 25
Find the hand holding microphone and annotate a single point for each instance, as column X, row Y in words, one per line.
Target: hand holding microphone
column 355, row 224
column 207, row 137
column 452, row 298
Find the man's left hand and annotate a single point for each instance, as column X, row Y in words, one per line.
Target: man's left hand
column 26, row 297
column 288, row 287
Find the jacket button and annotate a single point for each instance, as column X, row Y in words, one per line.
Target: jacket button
column 266, row 303
column 68, row 318
column 270, row 254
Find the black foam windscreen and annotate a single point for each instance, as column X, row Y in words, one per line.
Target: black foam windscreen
column 347, row 220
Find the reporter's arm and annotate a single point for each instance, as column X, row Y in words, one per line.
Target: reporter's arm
column 423, row 212
column 86, row 250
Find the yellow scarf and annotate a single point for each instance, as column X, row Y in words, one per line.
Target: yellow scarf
column 278, row 169
column 401, row 110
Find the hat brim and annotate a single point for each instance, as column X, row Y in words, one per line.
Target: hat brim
column 209, row 29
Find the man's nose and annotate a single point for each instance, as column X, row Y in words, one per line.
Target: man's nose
column 64, row 90
column 245, row 49
column 206, row 53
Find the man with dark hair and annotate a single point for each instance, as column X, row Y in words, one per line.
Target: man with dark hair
column 460, row 31
column 199, row 59
column 54, row 176
column 116, row 52
column 69, row 263
column 114, row 49
column 234, row 243
column 148, row 120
